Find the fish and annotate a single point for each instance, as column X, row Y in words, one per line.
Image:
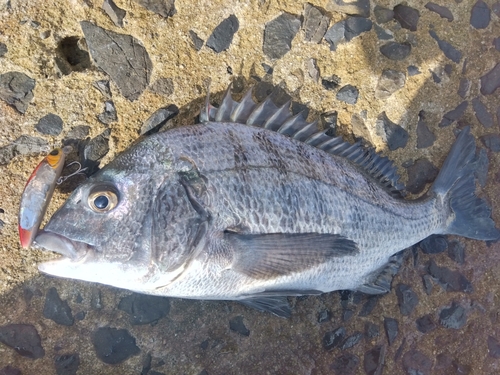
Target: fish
column 37, row 194
column 255, row 204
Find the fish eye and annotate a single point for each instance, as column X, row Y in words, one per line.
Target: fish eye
column 103, row 201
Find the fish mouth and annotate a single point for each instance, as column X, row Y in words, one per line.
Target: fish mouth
column 68, row 248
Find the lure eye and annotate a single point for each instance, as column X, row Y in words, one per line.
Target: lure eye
column 102, row 201
column 54, row 152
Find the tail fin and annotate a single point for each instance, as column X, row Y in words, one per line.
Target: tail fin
column 456, row 183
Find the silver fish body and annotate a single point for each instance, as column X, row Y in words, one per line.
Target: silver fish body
column 223, row 210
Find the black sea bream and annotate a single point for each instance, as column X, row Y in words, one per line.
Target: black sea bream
column 254, row 204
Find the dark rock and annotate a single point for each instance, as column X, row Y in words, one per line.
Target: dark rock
column 78, row 132
column 434, row 244
column 453, row 317
column 163, row 86
column 144, row 309
column 448, row 69
column 333, row 339
column 103, row 87
column 425, row 138
column 428, row 285
column 454, row 114
column 348, row 94
column 159, row 119
column 496, row 43
column 446, row 365
column 369, row 305
column 22, row 146
column 91, row 151
column 315, row 23
column 426, row 324
column 278, row 35
column 354, row 8
column 489, row 82
column 419, row 174
column 393, row 135
column 17, row 90
column 109, row 115
column 330, row 83
column 114, row 12
column 222, row 36
column 355, row 26
column 396, row 51
column 324, row 316
column 352, row 340
column 464, row 87
column 391, row 329
column 493, row 347
column 50, row 124
column 480, row 15
column 347, row 314
column 335, row 35
column 400, row 349
column 197, row 41
column 449, row 51
column 114, row 345
column 383, row 34
column 407, row 299
column 383, row 15
column 456, row 251
column 482, row 114
column 435, row 77
column 492, row 141
column 373, row 362
column 236, row 324
column 23, row 338
column 80, row 315
column 413, row 70
column 3, row 49
column 269, row 69
column 443, row 11
column 346, row 364
column 417, row 363
column 313, row 70
column 67, row 364
column 121, row 56
column 165, row 8
column 371, row 330
column 8, row 370
column 389, row 82
column 56, row 309
column 407, row 16
column 451, row 281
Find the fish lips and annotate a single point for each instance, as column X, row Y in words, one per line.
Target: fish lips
column 68, row 248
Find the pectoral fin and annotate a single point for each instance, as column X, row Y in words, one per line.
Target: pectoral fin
column 265, row 256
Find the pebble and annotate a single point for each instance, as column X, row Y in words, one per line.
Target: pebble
column 393, row 135
column 480, row 15
column 428, row 285
column 369, row 305
column 93, row 150
column 163, row 86
column 330, row 83
column 491, row 141
column 333, row 339
column 453, row 115
column 464, row 87
column 109, row 115
column 354, row 8
column 114, row 12
column 315, row 23
column 383, row 34
column 413, row 70
column 158, row 119
column 346, row 364
column 9, row 370
column 335, row 35
column 396, row 51
column 453, row 317
column 383, row 15
column 420, row 173
column 425, row 138
column 67, row 364
column 3, row 49
column 103, row 86
column 223, row 34
column 407, row 16
column 456, row 251
column 355, row 26
column 434, row 244
column 373, row 362
column 389, row 82
column 451, row 281
column 23, row 145
column 56, row 309
column 391, row 329
column 407, row 299
column 197, row 41
column 348, row 94
column 50, row 124
column 23, row 338
column 144, row 309
column 121, row 56
column 489, row 82
column 165, row 8
column 236, row 324
column 114, row 345
column 443, row 11
column 324, row 316
column 426, row 324
column 313, row 70
column 493, row 347
column 371, row 330
column 482, row 114
column 352, row 340
column 278, row 35
column 449, row 51
column 77, row 133
column 17, row 90
column 415, row 362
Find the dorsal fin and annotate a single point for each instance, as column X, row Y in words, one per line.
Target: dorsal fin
column 268, row 115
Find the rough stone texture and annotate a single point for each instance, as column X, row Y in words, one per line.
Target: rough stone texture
column 396, row 51
column 113, row 345
column 158, row 119
column 454, row 115
column 165, row 8
column 315, row 23
column 114, row 12
column 491, row 81
column 482, row 114
column 393, row 134
column 389, row 82
column 407, row 16
column 425, row 137
column 353, row 8
column 420, row 173
column 50, row 124
column 443, row 11
column 23, row 338
column 278, row 35
column 56, row 309
column 449, row 51
column 222, row 36
column 144, row 309
column 17, row 89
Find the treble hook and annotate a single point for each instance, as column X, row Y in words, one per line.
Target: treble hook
column 80, row 170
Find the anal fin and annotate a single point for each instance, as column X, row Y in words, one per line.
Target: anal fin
column 379, row 281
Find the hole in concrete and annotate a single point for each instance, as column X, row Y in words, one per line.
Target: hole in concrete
column 71, row 55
